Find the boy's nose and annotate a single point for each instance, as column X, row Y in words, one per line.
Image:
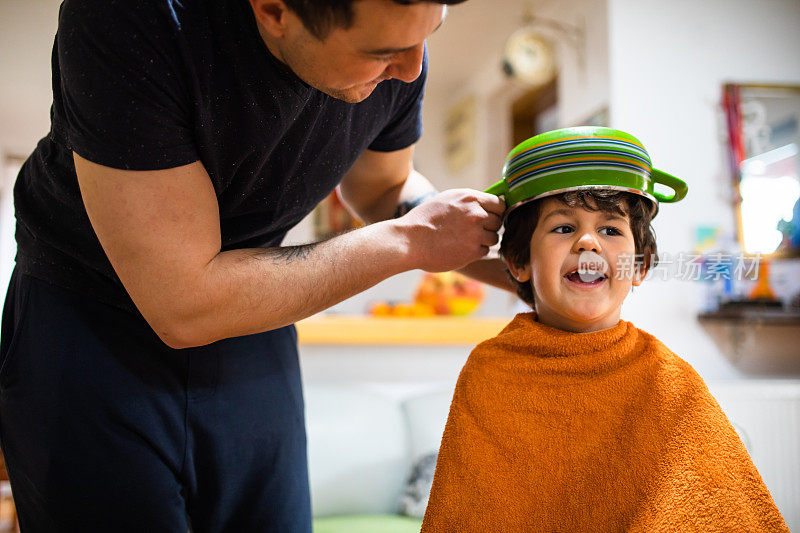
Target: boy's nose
column 587, row 243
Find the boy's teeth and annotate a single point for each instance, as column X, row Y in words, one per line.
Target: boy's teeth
column 586, row 277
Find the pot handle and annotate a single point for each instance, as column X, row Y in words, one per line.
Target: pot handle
column 678, row 186
column 499, row 189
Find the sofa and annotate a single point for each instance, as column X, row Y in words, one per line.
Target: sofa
column 364, row 440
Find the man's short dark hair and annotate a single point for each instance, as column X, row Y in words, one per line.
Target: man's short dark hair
column 321, row 16
column 521, row 223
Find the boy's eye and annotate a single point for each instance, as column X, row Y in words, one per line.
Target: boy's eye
column 611, row 230
column 385, row 58
column 607, row 230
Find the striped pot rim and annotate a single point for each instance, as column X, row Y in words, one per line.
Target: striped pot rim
column 582, row 158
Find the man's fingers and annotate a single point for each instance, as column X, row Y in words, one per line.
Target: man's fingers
column 493, row 223
column 490, row 238
column 491, row 203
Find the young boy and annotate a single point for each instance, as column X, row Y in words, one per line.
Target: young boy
column 572, row 419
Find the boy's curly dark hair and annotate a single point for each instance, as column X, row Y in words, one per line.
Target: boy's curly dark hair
column 521, row 223
column 321, row 16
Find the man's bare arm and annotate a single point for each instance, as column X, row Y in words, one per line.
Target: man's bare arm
column 384, row 185
column 161, row 232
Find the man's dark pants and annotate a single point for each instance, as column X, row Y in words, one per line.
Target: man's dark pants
column 105, row 428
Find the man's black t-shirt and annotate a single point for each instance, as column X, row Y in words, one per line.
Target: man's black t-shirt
column 155, row 84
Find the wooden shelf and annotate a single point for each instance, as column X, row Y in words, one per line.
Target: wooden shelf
column 361, row 330
column 757, row 341
column 756, row 316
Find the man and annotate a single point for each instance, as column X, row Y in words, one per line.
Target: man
column 150, row 379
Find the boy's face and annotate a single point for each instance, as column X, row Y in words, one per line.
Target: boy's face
column 565, row 240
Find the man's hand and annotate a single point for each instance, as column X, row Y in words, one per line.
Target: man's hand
column 452, row 229
column 383, row 185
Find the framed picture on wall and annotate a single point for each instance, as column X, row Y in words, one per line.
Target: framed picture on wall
column 459, row 135
column 763, row 134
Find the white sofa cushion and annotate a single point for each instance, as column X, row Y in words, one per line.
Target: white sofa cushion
column 426, row 415
column 357, row 450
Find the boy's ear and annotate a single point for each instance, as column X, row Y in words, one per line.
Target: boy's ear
column 521, row 274
column 638, row 275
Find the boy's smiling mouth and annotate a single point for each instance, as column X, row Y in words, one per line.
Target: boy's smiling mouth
column 592, row 271
column 585, row 278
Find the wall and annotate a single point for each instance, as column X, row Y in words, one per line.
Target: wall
column 8, row 246
column 583, row 89
column 27, row 28
column 668, row 62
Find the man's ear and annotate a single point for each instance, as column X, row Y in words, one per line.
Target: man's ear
column 520, row 273
column 271, row 16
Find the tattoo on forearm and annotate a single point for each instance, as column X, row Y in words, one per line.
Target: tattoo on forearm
column 290, row 253
column 407, row 205
column 286, row 254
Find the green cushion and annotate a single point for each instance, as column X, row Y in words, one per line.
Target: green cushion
column 367, row 524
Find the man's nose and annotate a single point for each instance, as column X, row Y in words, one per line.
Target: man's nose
column 407, row 66
column 587, row 242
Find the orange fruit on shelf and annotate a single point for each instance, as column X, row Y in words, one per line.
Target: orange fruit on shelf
column 380, row 309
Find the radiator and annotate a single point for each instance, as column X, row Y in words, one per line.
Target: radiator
column 766, row 414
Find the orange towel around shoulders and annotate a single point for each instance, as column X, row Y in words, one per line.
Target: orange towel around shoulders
column 605, row 431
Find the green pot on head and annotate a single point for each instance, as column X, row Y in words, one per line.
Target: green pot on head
column 586, row 157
